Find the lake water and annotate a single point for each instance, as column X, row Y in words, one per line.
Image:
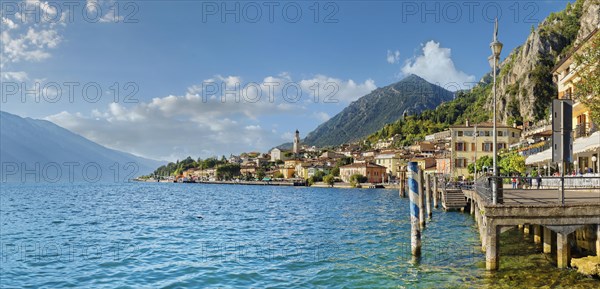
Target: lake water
column 139, row 235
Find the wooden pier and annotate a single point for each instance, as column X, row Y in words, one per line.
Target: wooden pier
column 540, row 212
column 558, row 220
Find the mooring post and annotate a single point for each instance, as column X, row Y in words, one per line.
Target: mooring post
column 415, row 230
column 428, row 195
column 435, row 191
column 421, row 199
column 402, row 182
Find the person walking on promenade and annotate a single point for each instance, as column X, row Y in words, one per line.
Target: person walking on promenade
column 514, row 182
column 539, row 181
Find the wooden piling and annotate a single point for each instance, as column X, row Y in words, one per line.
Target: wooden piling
column 422, row 220
column 415, row 230
column 428, row 195
column 402, row 184
column 435, row 191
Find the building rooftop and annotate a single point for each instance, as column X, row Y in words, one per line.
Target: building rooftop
column 363, row 165
column 488, row 124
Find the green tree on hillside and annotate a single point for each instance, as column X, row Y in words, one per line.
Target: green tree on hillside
column 588, row 68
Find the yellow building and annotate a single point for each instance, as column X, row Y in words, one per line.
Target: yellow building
column 390, row 161
column 466, row 147
column 289, row 168
column 424, row 162
column 374, row 173
column 565, row 76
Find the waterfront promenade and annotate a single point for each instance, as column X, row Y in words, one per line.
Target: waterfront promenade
column 554, row 223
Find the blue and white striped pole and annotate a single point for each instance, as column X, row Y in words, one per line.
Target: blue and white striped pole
column 415, row 230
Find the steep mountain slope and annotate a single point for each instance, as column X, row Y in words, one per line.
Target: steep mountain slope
column 55, row 154
column 369, row 113
column 525, row 86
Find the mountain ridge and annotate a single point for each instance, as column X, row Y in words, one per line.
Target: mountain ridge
column 34, row 144
column 383, row 105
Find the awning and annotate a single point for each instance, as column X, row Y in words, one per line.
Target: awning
column 587, row 144
column 541, row 157
column 581, row 145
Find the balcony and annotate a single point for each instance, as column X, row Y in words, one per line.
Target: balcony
column 541, row 127
column 584, row 129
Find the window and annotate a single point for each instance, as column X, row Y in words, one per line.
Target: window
column 473, row 147
column 487, row 133
column 501, row 146
column 460, row 147
column 500, row 133
column 460, row 163
column 468, row 133
column 459, row 133
column 487, row 147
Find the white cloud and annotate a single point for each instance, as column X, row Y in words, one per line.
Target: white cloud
column 176, row 126
column 321, row 116
column 393, row 57
column 98, row 7
column 19, row 76
column 8, row 24
column 30, row 36
column 48, row 10
column 333, row 90
column 436, row 66
column 92, row 5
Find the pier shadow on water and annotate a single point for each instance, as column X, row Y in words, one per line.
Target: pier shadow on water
column 524, row 265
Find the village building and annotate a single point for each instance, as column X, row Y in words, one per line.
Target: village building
column 374, row 173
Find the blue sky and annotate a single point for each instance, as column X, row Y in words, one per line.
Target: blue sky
column 158, row 54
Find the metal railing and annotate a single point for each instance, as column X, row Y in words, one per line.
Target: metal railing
column 483, row 185
column 539, row 127
column 582, row 130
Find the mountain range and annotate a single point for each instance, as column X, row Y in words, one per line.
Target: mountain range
column 369, row 113
column 33, row 150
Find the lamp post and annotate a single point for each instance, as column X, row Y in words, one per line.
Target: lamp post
column 546, row 170
column 594, row 168
column 496, row 47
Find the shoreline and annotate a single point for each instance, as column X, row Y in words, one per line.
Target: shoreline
column 339, row 185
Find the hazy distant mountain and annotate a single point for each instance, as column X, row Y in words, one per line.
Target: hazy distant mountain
column 383, row 105
column 39, row 151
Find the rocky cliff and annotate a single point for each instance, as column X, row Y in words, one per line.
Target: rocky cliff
column 525, row 88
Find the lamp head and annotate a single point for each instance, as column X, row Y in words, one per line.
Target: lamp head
column 496, row 47
column 594, row 159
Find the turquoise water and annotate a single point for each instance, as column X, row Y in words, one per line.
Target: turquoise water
column 218, row 236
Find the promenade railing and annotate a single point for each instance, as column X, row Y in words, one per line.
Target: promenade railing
column 588, row 184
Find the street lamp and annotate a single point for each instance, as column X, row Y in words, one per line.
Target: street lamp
column 546, row 170
column 496, row 47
